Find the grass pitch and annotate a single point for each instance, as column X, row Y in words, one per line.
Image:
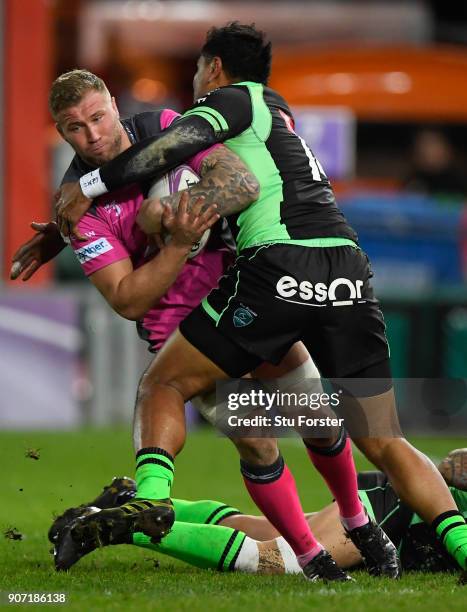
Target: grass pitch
column 73, row 467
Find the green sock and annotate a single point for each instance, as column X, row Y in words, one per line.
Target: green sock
column 204, row 546
column 204, row 511
column 154, row 473
column 451, row 528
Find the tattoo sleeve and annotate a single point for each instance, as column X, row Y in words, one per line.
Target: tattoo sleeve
column 155, row 156
column 225, row 181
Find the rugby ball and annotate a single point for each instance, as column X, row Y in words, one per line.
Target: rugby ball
column 179, row 179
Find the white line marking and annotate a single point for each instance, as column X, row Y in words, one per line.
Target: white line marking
column 40, row 328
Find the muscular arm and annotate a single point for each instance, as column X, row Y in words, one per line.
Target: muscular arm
column 151, row 157
column 131, row 293
column 225, row 181
column 221, row 115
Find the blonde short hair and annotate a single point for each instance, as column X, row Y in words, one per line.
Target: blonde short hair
column 69, row 88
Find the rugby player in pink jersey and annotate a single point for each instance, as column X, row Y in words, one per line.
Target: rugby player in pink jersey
column 114, row 253
column 116, row 248
column 268, row 300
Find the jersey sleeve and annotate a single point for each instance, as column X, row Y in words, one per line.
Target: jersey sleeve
column 146, row 124
column 228, row 110
column 222, row 114
column 168, row 116
column 102, row 246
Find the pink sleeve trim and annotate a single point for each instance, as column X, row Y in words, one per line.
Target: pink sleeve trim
column 167, row 117
column 196, row 161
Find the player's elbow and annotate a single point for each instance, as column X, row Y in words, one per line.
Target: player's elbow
column 128, row 310
column 248, row 190
column 252, row 187
column 131, row 315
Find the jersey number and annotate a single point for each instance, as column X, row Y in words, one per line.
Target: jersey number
column 316, row 167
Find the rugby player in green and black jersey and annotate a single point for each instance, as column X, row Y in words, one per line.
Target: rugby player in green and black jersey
column 299, row 274
column 205, row 537
column 88, row 119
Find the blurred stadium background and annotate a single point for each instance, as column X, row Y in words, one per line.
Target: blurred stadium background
column 379, row 89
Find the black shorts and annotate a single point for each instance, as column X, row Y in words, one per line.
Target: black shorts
column 277, row 294
column 382, row 502
column 419, row 547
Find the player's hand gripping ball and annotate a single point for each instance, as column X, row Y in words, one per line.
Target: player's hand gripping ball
column 176, row 180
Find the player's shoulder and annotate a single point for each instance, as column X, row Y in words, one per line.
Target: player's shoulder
column 273, row 98
column 229, row 94
column 145, row 124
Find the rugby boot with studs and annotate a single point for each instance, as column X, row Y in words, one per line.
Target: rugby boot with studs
column 379, row 553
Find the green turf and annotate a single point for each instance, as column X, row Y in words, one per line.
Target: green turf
column 74, row 466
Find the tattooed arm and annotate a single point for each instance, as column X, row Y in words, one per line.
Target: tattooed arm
column 229, row 114
column 195, row 131
column 225, row 181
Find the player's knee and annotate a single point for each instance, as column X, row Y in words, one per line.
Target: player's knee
column 152, row 381
column 321, row 443
column 379, row 450
column 257, row 451
column 373, row 449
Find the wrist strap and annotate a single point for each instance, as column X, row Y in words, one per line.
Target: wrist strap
column 92, row 185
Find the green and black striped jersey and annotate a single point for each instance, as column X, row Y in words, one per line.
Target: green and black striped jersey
column 296, row 201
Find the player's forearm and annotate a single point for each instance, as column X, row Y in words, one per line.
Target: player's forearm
column 225, row 181
column 139, row 291
column 151, row 157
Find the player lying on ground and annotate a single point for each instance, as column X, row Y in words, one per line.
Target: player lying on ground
column 299, row 274
column 114, row 254
column 210, row 534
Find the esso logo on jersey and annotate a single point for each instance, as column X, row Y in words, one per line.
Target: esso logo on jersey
column 340, row 292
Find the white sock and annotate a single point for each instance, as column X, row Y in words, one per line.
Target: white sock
column 254, row 558
column 248, row 557
column 290, row 560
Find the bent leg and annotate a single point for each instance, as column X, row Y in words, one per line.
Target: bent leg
column 205, row 546
column 177, row 373
column 415, row 478
column 325, row 524
column 331, row 451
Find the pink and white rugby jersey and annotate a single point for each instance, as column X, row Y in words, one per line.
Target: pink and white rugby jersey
column 112, row 235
